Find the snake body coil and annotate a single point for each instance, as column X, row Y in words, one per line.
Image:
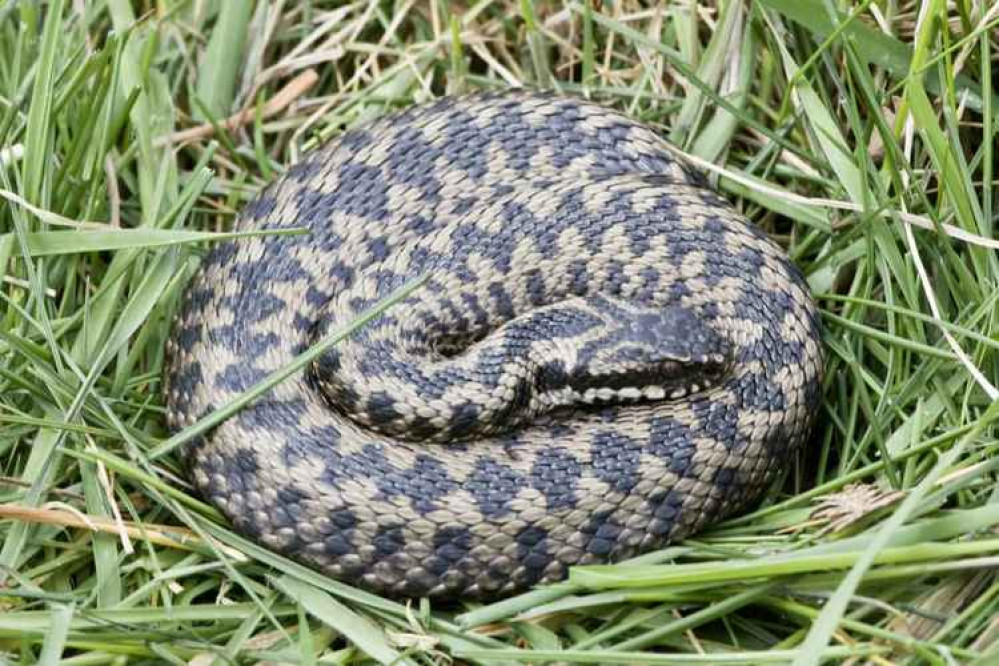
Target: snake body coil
column 605, row 357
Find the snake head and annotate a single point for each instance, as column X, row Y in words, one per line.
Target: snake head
column 643, row 353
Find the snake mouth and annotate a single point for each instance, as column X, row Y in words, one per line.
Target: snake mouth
column 667, row 380
column 651, row 393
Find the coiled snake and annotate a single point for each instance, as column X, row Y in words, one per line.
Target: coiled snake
column 605, row 356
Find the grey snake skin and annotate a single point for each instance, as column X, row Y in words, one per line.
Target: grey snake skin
column 605, row 357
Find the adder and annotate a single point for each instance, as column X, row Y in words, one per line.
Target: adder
column 605, row 357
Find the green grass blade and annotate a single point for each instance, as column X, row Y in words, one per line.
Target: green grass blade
column 360, row 632
column 38, row 133
column 55, row 640
column 218, row 77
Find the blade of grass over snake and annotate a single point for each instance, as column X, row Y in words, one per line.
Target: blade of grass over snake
column 276, row 377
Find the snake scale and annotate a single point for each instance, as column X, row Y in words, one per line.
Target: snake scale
column 605, row 356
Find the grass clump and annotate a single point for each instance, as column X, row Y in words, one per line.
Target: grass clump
column 860, row 135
